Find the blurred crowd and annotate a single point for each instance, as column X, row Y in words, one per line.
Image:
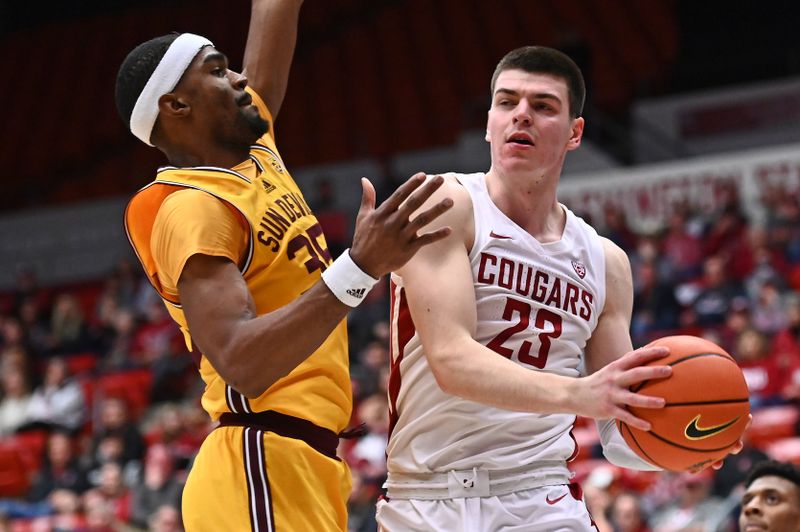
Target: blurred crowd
column 99, row 399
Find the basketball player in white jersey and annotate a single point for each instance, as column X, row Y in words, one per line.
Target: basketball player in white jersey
column 489, row 327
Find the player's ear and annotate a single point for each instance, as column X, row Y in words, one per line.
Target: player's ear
column 576, row 134
column 171, row 104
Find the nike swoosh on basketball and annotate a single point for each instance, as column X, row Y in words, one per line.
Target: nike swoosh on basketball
column 695, row 432
column 495, row 235
column 550, row 501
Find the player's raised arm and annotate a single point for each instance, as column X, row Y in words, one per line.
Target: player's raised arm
column 251, row 352
column 268, row 53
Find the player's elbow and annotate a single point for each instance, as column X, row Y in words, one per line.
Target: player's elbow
column 443, row 364
column 249, row 388
column 238, row 372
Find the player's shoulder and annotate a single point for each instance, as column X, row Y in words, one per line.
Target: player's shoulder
column 453, row 188
column 188, row 198
column 191, row 206
column 617, row 262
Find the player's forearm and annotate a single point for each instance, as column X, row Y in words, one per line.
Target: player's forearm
column 270, row 47
column 260, row 350
column 471, row 371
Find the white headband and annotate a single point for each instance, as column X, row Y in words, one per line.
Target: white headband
column 163, row 80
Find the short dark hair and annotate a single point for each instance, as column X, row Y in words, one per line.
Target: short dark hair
column 773, row 468
column 540, row 59
column 136, row 70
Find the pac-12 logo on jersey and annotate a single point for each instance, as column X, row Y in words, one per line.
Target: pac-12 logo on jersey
column 580, row 269
column 276, row 164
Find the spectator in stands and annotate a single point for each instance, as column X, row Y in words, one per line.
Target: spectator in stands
column 157, row 336
column 783, row 223
column 615, row 227
column 169, row 428
column 60, row 469
column 15, row 395
column 598, row 501
column 361, row 505
column 36, row 329
column 166, row 519
column 112, row 488
column 159, row 344
column 60, row 511
column 733, row 472
column 767, row 263
column 123, row 283
column 769, row 308
column 786, row 346
column 120, row 337
column 765, row 378
column 12, row 335
column 66, row 507
column 332, row 218
column 656, row 308
column 59, row 401
column 68, row 332
column 116, row 437
column 627, row 514
column 694, row 510
column 369, row 453
column 371, row 359
column 158, row 487
column 26, row 286
column 100, row 513
column 726, row 225
column 682, row 250
column 716, row 295
column 771, row 501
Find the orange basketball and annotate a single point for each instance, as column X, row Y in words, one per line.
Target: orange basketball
column 707, row 407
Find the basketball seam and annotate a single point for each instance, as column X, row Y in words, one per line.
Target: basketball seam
column 688, row 357
column 633, row 437
column 720, row 402
column 693, row 449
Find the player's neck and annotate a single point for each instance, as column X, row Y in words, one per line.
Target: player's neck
column 196, row 155
column 530, row 203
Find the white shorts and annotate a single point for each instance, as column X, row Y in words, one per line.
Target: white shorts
column 546, row 509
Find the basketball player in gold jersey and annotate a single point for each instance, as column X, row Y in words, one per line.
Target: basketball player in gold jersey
column 230, row 244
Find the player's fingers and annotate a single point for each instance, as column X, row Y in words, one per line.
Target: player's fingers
column 738, row 447
column 420, row 196
column 642, row 356
column 643, row 401
column 628, row 418
column 429, row 215
column 367, row 197
column 403, row 191
column 429, row 238
column 643, row 373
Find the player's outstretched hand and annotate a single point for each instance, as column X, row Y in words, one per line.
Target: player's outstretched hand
column 386, row 237
column 606, row 393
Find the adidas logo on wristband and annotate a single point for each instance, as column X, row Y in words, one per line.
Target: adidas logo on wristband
column 357, row 292
column 347, row 281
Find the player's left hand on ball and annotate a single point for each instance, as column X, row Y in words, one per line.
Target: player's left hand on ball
column 736, row 448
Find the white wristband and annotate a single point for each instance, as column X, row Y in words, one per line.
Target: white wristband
column 349, row 283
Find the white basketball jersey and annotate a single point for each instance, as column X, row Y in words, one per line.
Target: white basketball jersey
column 537, row 304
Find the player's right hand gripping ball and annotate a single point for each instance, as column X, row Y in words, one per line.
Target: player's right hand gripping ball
column 707, row 407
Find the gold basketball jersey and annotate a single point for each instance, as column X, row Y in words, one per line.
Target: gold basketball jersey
column 285, row 257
